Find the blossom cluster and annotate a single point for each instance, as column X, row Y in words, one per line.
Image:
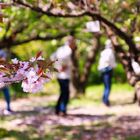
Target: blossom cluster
column 33, row 73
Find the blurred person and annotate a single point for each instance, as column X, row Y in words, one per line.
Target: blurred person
column 137, row 42
column 106, row 64
column 63, row 54
column 136, row 68
column 6, row 92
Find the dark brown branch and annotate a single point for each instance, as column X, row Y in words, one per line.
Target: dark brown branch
column 90, row 59
column 118, row 31
column 46, row 38
column 8, row 43
column 7, row 29
column 19, row 30
column 124, row 57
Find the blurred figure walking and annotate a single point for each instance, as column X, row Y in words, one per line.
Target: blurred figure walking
column 63, row 54
column 3, row 56
column 106, row 64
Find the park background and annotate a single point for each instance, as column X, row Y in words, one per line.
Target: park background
column 32, row 25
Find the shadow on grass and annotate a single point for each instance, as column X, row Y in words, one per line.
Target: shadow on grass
column 27, row 113
column 90, row 117
column 114, row 103
column 13, row 134
column 96, row 131
column 98, row 128
column 35, row 111
column 123, row 128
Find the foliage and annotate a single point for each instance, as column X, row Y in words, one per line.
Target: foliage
column 43, row 19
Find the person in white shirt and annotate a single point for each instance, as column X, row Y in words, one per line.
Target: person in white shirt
column 136, row 68
column 136, row 65
column 106, row 64
column 63, row 55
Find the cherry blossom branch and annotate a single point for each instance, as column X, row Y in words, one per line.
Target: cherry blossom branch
column 33, row 73
column 5, row 81
column 54, row 13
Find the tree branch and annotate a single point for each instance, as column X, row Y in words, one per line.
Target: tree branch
column 6, row 30
column 46, row 38
column 93, row 14
column 121, row 34
column 49, row 13
column 90, row 59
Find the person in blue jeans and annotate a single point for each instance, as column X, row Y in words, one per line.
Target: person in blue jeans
column 63, row 55
column 64, row 96
column 106, row 77
column 5, row 90
column 107, row 63
column 7, row 98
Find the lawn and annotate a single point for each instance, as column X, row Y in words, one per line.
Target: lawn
column 88, row 118
column 122, row 92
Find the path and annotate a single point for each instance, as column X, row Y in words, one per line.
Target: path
column 119, row 122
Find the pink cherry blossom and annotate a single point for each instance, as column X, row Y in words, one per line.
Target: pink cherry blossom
column 32, row 75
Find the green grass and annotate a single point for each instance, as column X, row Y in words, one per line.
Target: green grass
column 53, row 132
column 93, row 94
column 133, row 138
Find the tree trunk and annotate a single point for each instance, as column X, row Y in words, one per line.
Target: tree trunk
column 137, row 92
column 90, row 60
column 75, row 79
column 79, row 81
column 125, row 59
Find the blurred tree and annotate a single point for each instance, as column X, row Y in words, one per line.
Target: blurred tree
column 122, row 18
